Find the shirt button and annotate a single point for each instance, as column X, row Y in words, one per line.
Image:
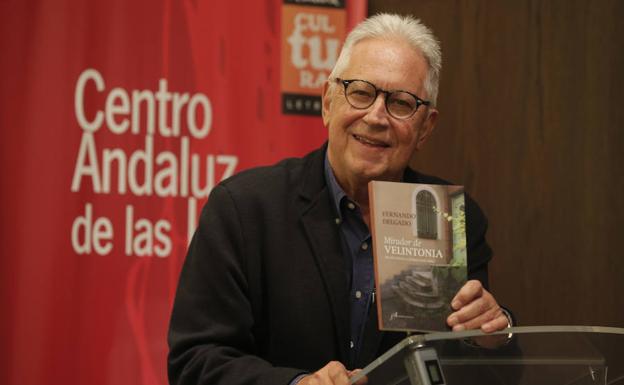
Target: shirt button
column 350, row 205
column 358, row 294
column 337, row 221
column 364, row 246
column 351, row 344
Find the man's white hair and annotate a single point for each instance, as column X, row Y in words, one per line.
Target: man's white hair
column 385, row 26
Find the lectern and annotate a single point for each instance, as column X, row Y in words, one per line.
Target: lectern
column 529, row 355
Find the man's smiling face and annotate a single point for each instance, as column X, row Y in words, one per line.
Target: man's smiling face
column 369, row 144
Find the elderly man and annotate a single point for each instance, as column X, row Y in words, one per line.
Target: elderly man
column 277, row 286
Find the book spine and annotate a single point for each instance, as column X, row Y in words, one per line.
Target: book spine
column 376, row 256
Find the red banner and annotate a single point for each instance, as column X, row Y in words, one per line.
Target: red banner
column 117, row 119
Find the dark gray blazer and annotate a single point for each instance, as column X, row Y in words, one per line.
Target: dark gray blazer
column 263, row 294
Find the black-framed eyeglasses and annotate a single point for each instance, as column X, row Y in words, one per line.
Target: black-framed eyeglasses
column 361, row 94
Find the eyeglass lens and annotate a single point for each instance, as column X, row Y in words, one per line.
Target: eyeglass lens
column 361, row 94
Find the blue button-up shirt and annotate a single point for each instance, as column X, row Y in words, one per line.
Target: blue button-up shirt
column 356, row 245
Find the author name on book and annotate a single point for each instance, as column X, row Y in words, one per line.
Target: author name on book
column 397, row 218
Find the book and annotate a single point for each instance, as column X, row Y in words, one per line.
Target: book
column 419, row 250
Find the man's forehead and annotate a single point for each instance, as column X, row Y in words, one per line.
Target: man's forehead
column 388, row 63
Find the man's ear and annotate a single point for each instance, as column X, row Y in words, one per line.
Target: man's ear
column 427, row 127
column 326, row 99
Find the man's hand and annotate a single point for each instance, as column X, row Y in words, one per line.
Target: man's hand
column 476, row 308
column 334, row 373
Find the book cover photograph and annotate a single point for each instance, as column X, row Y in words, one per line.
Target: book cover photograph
column 419, row 249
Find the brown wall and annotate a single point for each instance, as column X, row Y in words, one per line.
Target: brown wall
column 531, row 121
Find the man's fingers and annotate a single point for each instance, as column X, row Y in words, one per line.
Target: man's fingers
column 473, row 318
column 334, row 373
column 477, row 321
column 469, row 311
column 337, row 373
column 471, row 290
column 481, row 312
column 361, row 381
column 498, row 323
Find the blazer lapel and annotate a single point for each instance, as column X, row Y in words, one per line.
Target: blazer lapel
column 318, row 220
column 324, row 240
column 371, row 340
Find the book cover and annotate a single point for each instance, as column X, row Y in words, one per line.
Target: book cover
column 419, row 249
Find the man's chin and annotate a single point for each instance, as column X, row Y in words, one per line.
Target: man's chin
column 367, row 173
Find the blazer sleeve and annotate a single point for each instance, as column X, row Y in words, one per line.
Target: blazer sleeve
column 479, row 252
column 210, row 334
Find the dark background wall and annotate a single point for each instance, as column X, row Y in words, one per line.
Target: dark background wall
column 531, row 121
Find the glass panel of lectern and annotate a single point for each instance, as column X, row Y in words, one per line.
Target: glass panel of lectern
column 533, row 355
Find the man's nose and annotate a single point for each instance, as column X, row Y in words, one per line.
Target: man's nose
column 377, row 113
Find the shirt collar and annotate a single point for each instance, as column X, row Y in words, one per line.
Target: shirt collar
column 336, row 192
